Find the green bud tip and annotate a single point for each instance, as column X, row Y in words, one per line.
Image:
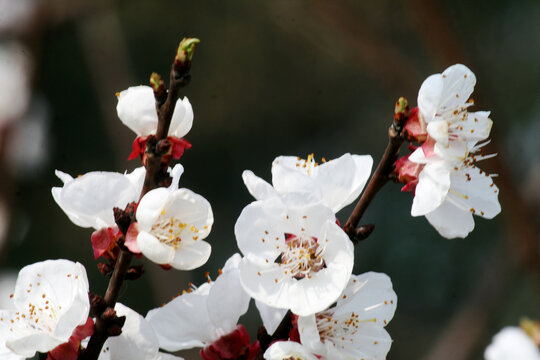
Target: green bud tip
column 186, row 49
column 402, row 105
column 156, row 81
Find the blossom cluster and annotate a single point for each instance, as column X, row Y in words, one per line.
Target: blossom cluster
column 295, row 259
column 448, row 186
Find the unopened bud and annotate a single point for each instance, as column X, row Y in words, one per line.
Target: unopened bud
column 105, row 269
column 97, row 303
column 185, row 50
column 134, row 272
column 401, row 112
column 157, row 84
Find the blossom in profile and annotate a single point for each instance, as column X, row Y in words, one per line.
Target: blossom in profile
column 207, row 317
column 295, row 256
column 354, row 328
column 512, row 343
column 51, row 301
column 136, row 108
column 88, row 200
column 443, row 117
column 172, row 225
column 337, row 183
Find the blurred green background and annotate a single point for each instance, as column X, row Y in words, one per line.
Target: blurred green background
column 291, row 78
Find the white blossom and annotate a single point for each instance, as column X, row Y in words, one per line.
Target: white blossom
column 137, row 110
column 51, row 300
column 172, row 225
column 337, row 182
column 443, row 101
column 199, row 317
column 295, row 256
column 88, row 200
column 354, row 328
column 512, row 343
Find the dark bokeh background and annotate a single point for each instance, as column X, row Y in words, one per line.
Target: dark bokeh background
column 290, row 78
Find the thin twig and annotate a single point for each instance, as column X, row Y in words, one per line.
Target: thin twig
column 384, row 168
column 156, row 174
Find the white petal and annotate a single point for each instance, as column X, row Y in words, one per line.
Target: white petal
column 289, row 175
column 165, row 356
column 370, row 341
column 283, row 350
column 183, row 323
column 459, row 84
column 177, row 171
column 451, row 221
column 429, row 96
column 309, row 334
column 257, row 187
column 476, row 126
column 260, row 228
column 473, row 190
column 137, row 341
column 335, row 180
column 191, row 256
column 438, row 130
column 154, row 249
column 88, row 200
column 63, row 176
column 363, row 167
column 182, row 118
column 270, row 316
column 227, row 300
column 432, row 188
column 370, row 296
column 193, row 210
column 137, row 109
column 150, row 207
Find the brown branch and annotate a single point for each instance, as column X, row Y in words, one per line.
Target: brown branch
column 157, row 161
column 381, row 175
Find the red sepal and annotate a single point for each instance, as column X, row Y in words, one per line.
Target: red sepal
column 131, row 238
column 234, row 345
column 138, row 147
column 407, row 172
column 104, row 242
column 70, row 350
column 415, row 127
column 178, row 146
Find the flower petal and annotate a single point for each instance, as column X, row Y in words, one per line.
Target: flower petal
column 257, row 187
column 283, row 350
column 154, row 249
column 432, row 188
column 270, row 316
column 451, row 221
column 182, row 119
column 183, row 323
column 191, row 256
column 136, row 108
column 227, row 300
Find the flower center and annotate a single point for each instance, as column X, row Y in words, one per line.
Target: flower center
column 168, row 230
column 302, row 256
column 338, row 329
